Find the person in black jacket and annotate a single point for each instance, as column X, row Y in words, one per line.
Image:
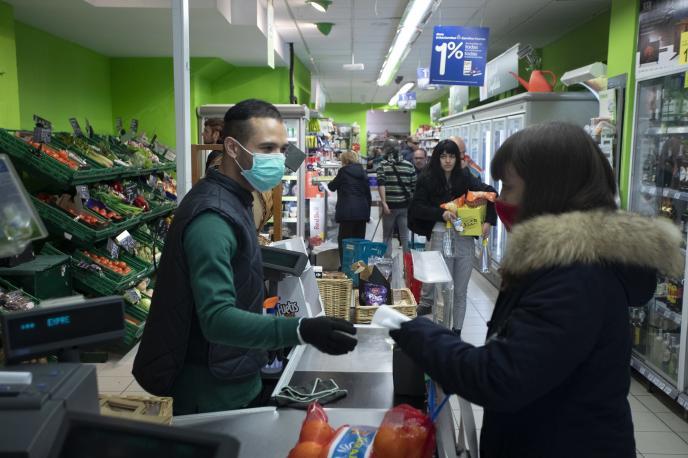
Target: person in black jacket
column 353, row 203
column 553, row 376
column 443, row 180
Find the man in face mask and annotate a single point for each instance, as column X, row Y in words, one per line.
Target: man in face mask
column 205, row 339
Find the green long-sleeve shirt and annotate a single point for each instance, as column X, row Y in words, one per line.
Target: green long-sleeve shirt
column 209, row 246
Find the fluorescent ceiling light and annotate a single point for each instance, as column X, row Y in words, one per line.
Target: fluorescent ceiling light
column 417, row 14
column 402, row 90
column 320, row 5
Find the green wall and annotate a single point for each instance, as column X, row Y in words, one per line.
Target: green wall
column 9, row 81
column 623, row 38
column 59, row 79
column 582, row 46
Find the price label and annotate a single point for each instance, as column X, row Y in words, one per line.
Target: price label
column 161, row 228
column 119, row 127
column 170, row 155
column 113, row 249
column 683, row 49
column 89, row 129
column 130, row 191
column 83, row 192
column 677, row 195
column 134, row 127
column 75, row 127
column 42, row 133
column 126, row 241
column 152, row 181
column 133, row 296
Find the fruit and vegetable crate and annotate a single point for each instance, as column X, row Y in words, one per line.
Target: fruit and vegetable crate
column 9, row 287
column 113, row 276
column 133, row 329
column 51, row 163
column 145, row 237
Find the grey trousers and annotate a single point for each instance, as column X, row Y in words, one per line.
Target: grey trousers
column 460, row 269
column 397, row 217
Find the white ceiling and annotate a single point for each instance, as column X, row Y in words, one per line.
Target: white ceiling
column 143, row 28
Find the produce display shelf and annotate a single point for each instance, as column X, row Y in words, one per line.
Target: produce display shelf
column 132, row 334
column 4, row 284
column 141, row 236
column 136, row 311
column 60, row 222
column 97, row 172
column 107, row 282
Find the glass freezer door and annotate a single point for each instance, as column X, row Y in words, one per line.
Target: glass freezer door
column 498, row 233
column 659, row 187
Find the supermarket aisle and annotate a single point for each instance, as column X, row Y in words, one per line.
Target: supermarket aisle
column 659, row 432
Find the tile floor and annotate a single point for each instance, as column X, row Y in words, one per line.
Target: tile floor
column 659, row 430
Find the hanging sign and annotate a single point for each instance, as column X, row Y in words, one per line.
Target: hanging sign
column 459, row 55
column 407, row 101
column 422, row 77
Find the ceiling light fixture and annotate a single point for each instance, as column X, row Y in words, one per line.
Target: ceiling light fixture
column 320, row 5
column 417, row 14
column 324, row 27
column 402, row 90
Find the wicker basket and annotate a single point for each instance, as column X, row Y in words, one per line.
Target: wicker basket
column 152, row 409
column 335, row 291
column 404, row 302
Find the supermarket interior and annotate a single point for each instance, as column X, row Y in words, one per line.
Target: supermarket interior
column 223, row 228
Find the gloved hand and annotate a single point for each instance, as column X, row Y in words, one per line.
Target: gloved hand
column 329, row 335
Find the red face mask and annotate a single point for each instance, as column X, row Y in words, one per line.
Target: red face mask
column 506, row 212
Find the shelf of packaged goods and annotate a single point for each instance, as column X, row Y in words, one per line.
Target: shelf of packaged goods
column 290, row 177
column 653, row 376
column 664, row 310
column 289, row 198
column 666, row 130
column 664, row 192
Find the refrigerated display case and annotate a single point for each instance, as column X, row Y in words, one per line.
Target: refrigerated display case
column 293, row 183
column 659, row 187
column 485, row 128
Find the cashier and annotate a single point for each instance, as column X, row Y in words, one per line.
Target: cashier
column 205, row 340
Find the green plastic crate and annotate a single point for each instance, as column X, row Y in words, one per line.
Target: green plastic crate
column 107, row 282
column 46, row 277
column 137, row 312
column 34, row 160
column 132, row 334
column 10, row 287
column 97, row 172
column 62, row 224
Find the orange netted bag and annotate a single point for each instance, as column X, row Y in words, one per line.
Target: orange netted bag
column 316, row 432
column 405, row 432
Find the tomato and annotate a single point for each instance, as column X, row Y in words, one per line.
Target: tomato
column 317, row 431
column 306, row 450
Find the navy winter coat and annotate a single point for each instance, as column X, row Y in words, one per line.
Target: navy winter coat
column 353, row 196
column 553, row 376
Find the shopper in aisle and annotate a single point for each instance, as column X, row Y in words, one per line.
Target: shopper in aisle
column 212, row 135
column 205, row 338
column 444, row 180
column 408, row 147
column 553, row 376
column 461, row 144
column 396, row 181
column 353, row 199
column 420, row 160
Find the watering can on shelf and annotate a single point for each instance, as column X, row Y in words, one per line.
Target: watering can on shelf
column 538, row 82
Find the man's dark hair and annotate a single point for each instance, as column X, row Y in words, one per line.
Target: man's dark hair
column 236, row 118
column 214, row 123
column 390, row 149
column 563, row 169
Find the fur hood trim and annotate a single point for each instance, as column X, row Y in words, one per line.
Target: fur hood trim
column 594, row 237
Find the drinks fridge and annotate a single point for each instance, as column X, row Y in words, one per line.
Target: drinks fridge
column 659, row 187
column 485, row 128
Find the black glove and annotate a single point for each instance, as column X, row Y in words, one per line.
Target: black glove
column 329, row 335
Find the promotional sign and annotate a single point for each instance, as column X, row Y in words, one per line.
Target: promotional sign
column 436, row 112
column 422, row 77
column 498, row 77
column 316, row 220
column 459, row 55
column 407, row 101
column 662, row 39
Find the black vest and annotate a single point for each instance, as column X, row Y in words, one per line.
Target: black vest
column 172, row 336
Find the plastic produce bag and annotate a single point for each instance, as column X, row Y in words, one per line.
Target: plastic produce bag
column 405, row 432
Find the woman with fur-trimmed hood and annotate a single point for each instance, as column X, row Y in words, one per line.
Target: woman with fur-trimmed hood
column 554, row 374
